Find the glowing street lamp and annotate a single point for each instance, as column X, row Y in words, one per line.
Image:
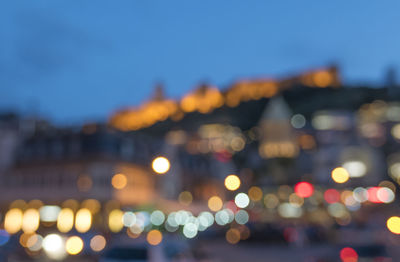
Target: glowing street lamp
column 160, row 165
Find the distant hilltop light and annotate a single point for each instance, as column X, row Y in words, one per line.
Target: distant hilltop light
column 207, row 98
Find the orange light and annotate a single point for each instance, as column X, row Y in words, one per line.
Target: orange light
column 232, row 236
column 215, row 203
column 154, row 237
column 119, row 181
column 255, row 193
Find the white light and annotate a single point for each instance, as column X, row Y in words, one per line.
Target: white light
column 337, row 210
column 157, row 218
column 53, row 245
column 288, row 210
column 208, row 217
column 170, row 228
column 222, row 217
column 182, row 217
column 395, row 170
column 242, row 200
column 143, row 218
column 49, row 213
column 385, row 195
column 171, row 220
column 231, row 215
column 34, row 242
column 360, row 194
column 351, row 203
column 242, row 217
column 129, row 219
column 161, row 165
column 203, row 223
column 355, row 168
column 190, row 230
column 298, row 121
column 136, row 228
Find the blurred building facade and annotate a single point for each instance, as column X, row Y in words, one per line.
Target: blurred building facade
column 268, row 132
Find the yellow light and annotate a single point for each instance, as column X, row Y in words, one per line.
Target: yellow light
column 271, row 201
column 115, row 222
column 232, row 182
column 340, row 175
column 185, row 198
column 13, row 221
column 154, row 237
column 74, row 245
column 255, row 193
column 71, row 203
column 30, row 220
column 35, row 203
column 65, row 220
column 393, row 224
column 215, row 203
column 19, row 203
column 296, row 200
column 161, row 165
column 232, row 236
column 92, row 204
column 83, row 220
column 98, row 243
column 396, row 131
column 119, row 181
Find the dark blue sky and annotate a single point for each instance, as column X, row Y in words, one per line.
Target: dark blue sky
column 81, row 60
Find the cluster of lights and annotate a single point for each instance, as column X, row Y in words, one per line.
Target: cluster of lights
column 207, row 98
column 55, row 246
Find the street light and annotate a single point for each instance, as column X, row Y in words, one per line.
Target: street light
column 160, row 165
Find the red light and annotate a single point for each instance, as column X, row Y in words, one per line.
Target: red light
column 373, row 194
column 332, row 196
column 232, row 206
column 304, row 189
column 348, row 254
column 223, row 156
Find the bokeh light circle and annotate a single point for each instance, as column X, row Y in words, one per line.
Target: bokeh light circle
column 74, row 245
column 160, row 165
column 393, row 224
column 340, row 175
column 304, row 189
column 232, row 182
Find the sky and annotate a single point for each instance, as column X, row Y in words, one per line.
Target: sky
column 77, row 60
